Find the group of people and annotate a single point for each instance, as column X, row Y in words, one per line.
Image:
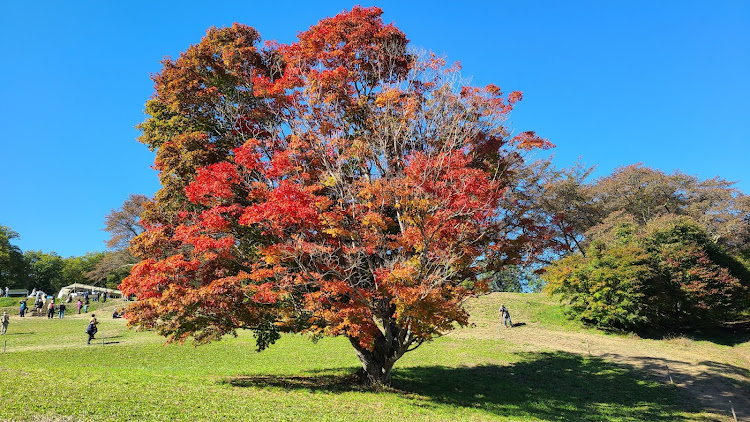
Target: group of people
column 91, row 329
column 39, row 304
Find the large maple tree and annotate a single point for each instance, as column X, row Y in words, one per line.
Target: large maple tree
column 341, row 185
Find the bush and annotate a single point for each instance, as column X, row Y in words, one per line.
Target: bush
column 667, row 274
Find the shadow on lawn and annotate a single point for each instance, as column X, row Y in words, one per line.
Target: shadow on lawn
column 547, row 386
column 727, row 334
column 712, row 385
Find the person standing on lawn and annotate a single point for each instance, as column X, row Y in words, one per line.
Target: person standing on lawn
column 91, row 329
column 61, row 310
column 505, row 315
column 51, row 309
column 5, row 321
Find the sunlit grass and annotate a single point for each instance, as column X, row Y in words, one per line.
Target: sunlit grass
column 48, row 370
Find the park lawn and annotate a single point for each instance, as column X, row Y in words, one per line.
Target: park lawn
column 49, row 373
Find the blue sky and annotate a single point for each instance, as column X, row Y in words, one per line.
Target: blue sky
column 612, row 82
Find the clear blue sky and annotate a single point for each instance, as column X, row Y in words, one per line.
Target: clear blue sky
column 665, row 83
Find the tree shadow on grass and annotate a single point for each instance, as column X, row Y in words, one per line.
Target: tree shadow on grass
column 319, row 382
column 711, row 385
column 545, row 386
column 727, row 334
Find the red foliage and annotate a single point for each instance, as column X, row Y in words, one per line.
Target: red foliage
column 328, row 220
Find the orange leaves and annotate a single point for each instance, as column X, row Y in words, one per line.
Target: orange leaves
column 375, row 220
column 389, row 96
column 530, row 140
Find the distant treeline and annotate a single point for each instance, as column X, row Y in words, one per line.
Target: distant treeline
column 49, row 271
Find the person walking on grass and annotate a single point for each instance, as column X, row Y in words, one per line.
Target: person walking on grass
column 61, row 310
column 91, row 329
column 86, row 304
column 80, row 304
column 505, row 315
column 5, row 321
column 22, row 309
column 51, row 309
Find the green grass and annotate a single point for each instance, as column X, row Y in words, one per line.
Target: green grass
column 7, row 302
column 49, row 373
column 541, row 309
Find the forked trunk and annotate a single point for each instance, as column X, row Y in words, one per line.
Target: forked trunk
column 377, row 364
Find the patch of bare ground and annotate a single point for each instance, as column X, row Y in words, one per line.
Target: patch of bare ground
column 711, row 376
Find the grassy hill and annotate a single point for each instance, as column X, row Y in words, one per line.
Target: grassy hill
column 546, row 368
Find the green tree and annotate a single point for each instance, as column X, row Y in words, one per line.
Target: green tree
column 76, row 268
column 45, row 271
column 667, row 274
column 12, row 262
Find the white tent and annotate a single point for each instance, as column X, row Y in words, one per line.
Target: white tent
column 75, row 287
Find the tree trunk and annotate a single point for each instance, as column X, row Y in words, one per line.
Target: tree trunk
column 377, row 364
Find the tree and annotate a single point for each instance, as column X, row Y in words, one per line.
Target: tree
column 45, row 271
column 12, row 263
column 123, row 225
column 76, row 269
column 367, row 187
column 562, row 202
column 667, row 274
column 646, row 194
column 577, row 211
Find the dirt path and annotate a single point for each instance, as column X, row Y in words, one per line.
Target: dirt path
column 704, row 372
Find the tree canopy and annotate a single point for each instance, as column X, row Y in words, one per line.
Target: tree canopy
column 339, row 185
column 667, row 274
column 12, row 264
column 642, row 248
column 578, row 211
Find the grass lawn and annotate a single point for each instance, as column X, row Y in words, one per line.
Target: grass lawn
column 49, row 373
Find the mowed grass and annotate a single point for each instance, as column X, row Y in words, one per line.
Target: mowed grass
column 48, row 372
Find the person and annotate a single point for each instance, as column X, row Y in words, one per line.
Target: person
column 51, row 309
column 116, row 314
column 86, row 304
column 61, row 310
column 80, row 304
column 91, row 329
column 505, row 315
column 5, row 321
column 22, row 309
column 7, row 292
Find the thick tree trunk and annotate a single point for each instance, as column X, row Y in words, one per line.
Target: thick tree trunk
column 377, row 364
